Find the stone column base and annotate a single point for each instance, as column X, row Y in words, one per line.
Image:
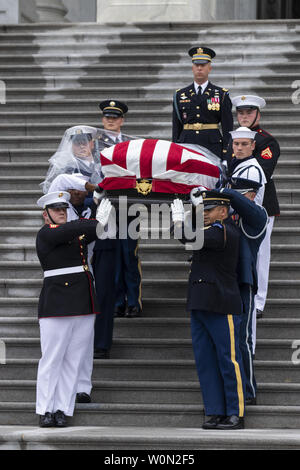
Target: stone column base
column 52, row 11
column 178, row 11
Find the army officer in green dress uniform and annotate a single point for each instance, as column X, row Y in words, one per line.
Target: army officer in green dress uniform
column 199, row 108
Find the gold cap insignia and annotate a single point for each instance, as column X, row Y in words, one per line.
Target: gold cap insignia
column 144, row 187
column 60, row 194
column 243, row 98
column 200, row 50
column 112, row 103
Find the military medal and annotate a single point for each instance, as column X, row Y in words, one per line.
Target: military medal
column 216, row 103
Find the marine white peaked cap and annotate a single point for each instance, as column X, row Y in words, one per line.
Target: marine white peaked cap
column 53, row 198
column 248, row 101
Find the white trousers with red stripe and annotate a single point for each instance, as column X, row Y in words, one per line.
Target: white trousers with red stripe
column 64, row 343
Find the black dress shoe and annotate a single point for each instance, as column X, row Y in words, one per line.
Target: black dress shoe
column 259, row 313
column 60, row 419
column 250, row 401
column 47, row 420
column 231, row 422
column 83, row 397
column 213, row 421
column 101, row 354
column 133, row 312
column 119, row 312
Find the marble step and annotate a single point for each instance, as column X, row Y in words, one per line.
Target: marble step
column 29, row 118
column 21, row 299
column 43, row 65
column 275, row 104
column 183, row 370
column 124, row 93
column 44, row 57
column 153, row 348
column 23, row 168
column 147, row 392
column 137, row 127
column 155, row 328
column 162, row 269
column 147, row 251
column 128, row 438
column 54, row 80
column 116, row 414
column 133, row 34
column 246, row 26
column 289, row 114
column 225, row 46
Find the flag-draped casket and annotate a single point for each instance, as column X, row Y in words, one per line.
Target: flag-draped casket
column 142, row 167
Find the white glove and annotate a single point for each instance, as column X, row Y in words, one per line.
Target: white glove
column 196, row 197
column 177, row 211
column 97, row 197
column 103, row 212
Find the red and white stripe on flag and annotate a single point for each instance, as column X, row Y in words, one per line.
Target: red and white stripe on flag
column 171, row 167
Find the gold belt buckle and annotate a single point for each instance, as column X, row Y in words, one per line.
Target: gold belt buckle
column 198, row 126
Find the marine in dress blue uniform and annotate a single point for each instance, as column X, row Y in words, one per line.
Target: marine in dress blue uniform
column 215, row 305
column 201, row 107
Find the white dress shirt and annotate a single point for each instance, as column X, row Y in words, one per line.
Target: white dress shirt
column 203, row 86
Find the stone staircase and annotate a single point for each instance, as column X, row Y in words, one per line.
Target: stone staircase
column 147, row 395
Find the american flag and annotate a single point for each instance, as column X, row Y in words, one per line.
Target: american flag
column 171, row 167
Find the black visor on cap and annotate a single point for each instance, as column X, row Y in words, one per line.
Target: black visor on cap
column 81, row 138
column 212, row 204
column 247, row 106
column 244, row 185
column 112, row 113
column 57, row 205
column 208, row 207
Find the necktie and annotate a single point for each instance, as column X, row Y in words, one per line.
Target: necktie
column 199, row 90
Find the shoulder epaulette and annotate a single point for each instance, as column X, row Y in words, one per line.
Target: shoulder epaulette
column 218, row 224
column 263, row 132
